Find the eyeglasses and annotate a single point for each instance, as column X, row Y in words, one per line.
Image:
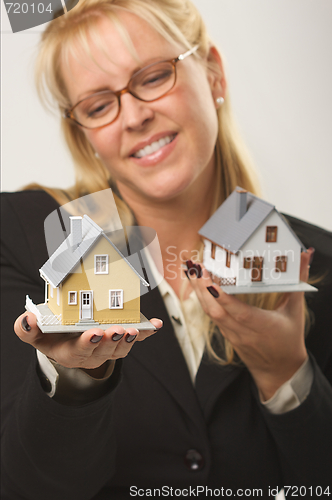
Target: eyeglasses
column 148, row 84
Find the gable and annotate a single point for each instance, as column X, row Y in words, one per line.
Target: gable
column 225, row 230
column 285, row 240
column 66, row 258
column 117, row 265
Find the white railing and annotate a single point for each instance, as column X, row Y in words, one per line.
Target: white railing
column 30, row 306
column 53, row 319
column 222, row 281
column 43, row 319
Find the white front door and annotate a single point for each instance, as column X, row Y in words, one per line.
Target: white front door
column 86, row 305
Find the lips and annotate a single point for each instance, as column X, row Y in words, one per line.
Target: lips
column 152, row 145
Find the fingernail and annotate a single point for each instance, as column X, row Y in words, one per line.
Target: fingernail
column 189, row 264
column 130, row 338
column 96, row 338
column 312, row 250
column 117, row 336
column 25, row 325
column 199, row 270
column 193, row 272
column 213, row 291
column 186, row 273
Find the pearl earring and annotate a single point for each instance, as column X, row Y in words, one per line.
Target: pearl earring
column 219, row 101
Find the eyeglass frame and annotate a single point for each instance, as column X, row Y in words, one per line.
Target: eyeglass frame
column 68, row 114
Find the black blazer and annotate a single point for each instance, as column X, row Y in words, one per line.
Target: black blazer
column 153, row 428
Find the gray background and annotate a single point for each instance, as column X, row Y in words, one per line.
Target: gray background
column 278, row 60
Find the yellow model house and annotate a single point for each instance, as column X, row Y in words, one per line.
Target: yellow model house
column 89, row 282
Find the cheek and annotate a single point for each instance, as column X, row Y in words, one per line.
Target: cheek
column 105, row 142
column 198, row 107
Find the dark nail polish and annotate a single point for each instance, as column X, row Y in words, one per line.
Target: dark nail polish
column 117, row 336
column 189, row 264
column 213, row 291
column 130, row 338
column 96, row 338
column 25, row 325
column 312, row 255
column 193, row 272
column 199, row 270
column 186, row 273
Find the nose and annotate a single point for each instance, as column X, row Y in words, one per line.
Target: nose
column 135, row 114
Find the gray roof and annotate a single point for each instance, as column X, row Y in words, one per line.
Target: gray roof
column 64, row 260
column 223, row 229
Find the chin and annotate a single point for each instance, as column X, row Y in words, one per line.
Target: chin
column 164, row 191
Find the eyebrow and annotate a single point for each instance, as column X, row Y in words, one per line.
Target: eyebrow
column 91, row 92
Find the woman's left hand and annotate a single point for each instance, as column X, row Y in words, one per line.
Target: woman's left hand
column 270, row 343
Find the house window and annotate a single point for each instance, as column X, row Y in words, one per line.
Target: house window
column 101, row 264
column 116, row 299
column 228, row 259
column 271, row 234
column 72, row 298
column 281, row 263
column 51, row 291
column 213, row 251
column 247, row 262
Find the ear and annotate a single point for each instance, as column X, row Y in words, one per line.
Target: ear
column 216, row 74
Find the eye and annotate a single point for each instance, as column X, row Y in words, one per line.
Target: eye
column 97, row 106
column 156, row 77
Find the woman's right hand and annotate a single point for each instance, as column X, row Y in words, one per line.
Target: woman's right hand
column 87, row 350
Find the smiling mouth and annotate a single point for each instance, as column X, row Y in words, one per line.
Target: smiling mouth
column 154, row 146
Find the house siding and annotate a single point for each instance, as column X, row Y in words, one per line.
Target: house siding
column 217, row 266
column 120, row 276
column 74, row 283
column 256, row 245
column 53, row 301
column 286, row 244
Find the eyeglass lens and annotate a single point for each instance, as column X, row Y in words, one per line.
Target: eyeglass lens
column 148, row 85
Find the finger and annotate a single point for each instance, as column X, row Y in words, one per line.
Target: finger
column 199, row 279
column 143, row 334
column 125, row 344
column 211, row 295
column 306, row 259
column 294, row 303
column 227, row 310
column 74, row 351
column 26, row 328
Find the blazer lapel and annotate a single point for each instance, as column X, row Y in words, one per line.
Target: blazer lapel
column 212, row 379
column 162, row 356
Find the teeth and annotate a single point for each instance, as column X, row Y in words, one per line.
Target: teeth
column 152, row 148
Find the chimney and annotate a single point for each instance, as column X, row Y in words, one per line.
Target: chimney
column 75, row 236
column 241, row 203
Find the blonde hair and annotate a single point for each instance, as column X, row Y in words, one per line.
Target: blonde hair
column 177, row 21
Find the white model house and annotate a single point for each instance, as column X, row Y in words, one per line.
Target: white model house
column 249, row 247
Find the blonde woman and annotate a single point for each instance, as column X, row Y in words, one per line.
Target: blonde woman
column 225, row 399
